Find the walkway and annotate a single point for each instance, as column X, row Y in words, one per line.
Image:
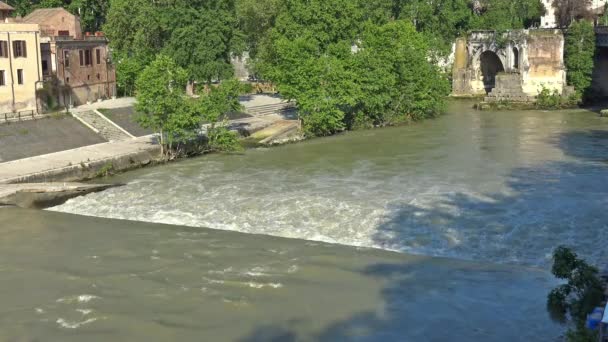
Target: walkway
column 103, row 126
column 108, row 104
column 56, row 162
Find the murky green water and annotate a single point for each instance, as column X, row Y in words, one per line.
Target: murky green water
column 492, row 192
column 73, row 278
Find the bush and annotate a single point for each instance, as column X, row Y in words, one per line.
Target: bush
column 570, row 303
column 579, row 55
column 547, row 99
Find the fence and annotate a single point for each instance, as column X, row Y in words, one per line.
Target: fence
column 20, row 116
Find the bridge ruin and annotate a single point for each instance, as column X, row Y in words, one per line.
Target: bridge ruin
column 512, row 66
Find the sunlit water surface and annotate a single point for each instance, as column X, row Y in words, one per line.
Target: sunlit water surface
column 493, row 193
column 504, row 187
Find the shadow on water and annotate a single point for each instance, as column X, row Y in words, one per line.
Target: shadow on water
column 431, row 299
column 590, row 145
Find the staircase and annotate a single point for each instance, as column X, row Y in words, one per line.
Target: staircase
column 283, row 108
column 102, row 125
column 508, row 88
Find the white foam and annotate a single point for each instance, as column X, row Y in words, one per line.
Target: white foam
column 261, row 286
column 74, row 325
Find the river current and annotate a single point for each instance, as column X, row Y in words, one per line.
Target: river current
column 437, row 231
column 505, row 187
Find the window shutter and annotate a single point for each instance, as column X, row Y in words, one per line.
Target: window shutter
column 81, row 58
column 23, row 48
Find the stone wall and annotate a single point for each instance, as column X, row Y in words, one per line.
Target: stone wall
column 531, row 58
column 545, row 62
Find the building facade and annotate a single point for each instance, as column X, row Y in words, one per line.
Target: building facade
column 76, row 66
column 83, row 68
column 20, row 67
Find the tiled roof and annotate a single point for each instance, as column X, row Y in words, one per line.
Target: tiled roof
column 5, row 7
column 40, row 16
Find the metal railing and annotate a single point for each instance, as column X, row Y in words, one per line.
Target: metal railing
column 20, row 116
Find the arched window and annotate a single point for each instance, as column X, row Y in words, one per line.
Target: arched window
column 515, row 58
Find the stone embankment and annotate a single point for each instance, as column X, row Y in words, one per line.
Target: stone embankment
column 28, row 182
column 44, row 195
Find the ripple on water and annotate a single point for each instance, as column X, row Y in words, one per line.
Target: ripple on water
column 485, row 188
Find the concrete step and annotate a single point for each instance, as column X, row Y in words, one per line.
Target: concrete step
column 277, row 108
column 104, row 127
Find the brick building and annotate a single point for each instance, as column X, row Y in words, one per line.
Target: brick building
column 77, row 65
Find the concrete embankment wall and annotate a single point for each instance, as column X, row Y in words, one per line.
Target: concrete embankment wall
column 92, row 169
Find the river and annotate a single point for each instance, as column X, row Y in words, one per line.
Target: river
column 440, row 229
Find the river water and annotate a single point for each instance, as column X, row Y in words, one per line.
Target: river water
column 438, row 230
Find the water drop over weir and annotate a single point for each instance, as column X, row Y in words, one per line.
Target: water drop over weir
column 503, row 187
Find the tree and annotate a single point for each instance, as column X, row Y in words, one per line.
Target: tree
column 345, row 73
column 398, row 82
column 203, row 40
column 579, row 54
column 571, row 302
column 504, row 15
column 162, row 103
column 569, row 11
column 92, row 13
column 177, row 118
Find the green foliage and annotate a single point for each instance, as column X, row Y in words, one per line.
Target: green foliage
column 579, row 54
column 346, row 73
column 575, row 299
column 162, row 103
column 223, row 140
column 505, row 15
column 105, row 170
column 554, row 100
column 200, row 36
column 177, row 118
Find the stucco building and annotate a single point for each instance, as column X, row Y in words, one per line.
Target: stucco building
column 20, row 66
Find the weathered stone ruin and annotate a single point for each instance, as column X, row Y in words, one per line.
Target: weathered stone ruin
column 513, row 66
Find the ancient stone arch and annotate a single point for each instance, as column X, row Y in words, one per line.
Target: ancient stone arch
column 530, row 60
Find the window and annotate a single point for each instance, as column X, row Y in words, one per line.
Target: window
column 67, row 80
column 66, row 59
column 2, row 79
column 19, row 49
column 85, row 57
column 19, row 76
column 98, row 55
column 98, row 77
column 3, row 49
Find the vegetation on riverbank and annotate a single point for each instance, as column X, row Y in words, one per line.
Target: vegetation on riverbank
column 177, row 118
column 570, row 303
column 348, row 64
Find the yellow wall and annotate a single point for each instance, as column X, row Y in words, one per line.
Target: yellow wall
column 24, row 95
